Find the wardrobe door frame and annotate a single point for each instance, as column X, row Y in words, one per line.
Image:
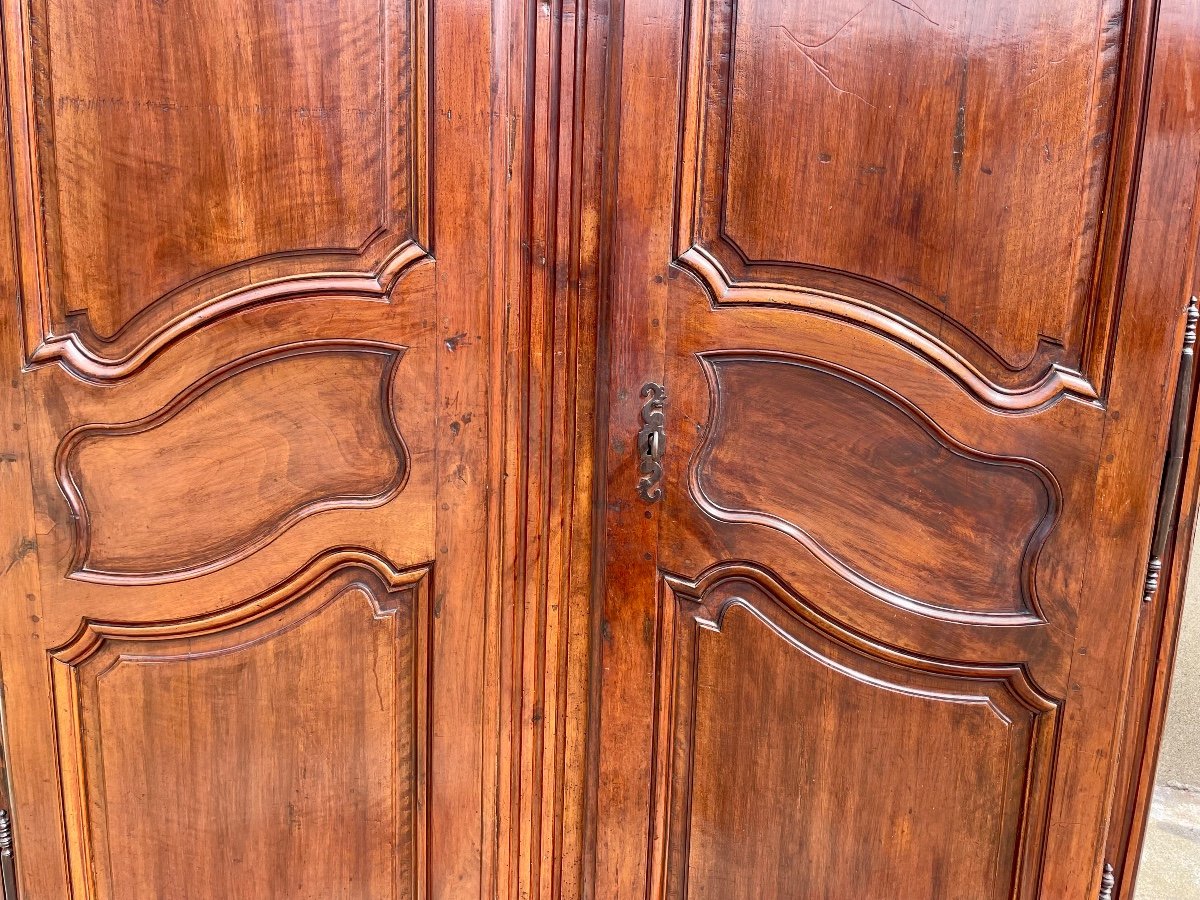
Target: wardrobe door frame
column 555, row 62
column 1156, row 264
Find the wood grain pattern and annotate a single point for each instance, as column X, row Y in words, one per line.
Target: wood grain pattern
column 1153, row 650
column 277, row 730
column 222, row 241
column 772, row 194
column 975, row 221
column 137, row 226
column 302, row 428
column 824, row 197
column 554, row 279
column 742, row 658
column 874, row 488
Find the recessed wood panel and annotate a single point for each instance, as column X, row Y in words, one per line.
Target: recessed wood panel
column 801, row 764
column 234, row 460
column 945, row 161
column 183, row 152
column 873, row 488
column 273, row 750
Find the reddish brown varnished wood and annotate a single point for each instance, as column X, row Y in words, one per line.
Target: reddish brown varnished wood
column 738, row 640
column 1157, row 629
column 290, row 663
column 827, row 266
column 252, row 619
column 326, row 571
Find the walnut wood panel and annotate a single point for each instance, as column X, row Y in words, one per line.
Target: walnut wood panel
column 276, row 730
column 554, row 281
column 742, row 657
column 1153, row 653
column 234, row 352
column 548, row 206
column 975, row 419
column 136, row 224
column 873, row 487
column 1012, row 116
column 302, row 428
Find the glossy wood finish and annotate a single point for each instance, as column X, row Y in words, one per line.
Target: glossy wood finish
column 329, row 402
column 319, row 413
column 1178, row 141
column 901, row 270
column 319, row 172
column 318, row 161
column 241, row 692
column 1020, row 289
column 251, row 622
column 981, row 519
column 737, row 650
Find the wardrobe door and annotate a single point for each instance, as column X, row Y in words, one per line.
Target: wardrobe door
column 248, row 413
column 898, row 309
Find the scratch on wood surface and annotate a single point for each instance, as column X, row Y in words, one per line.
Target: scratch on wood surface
column 959, row 140
column 913, row 7
column 805, row 51
column 821, row 69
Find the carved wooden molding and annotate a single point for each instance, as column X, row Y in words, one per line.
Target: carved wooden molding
column 722, row 289
column 58, row 332
column 83, row 568
column 1029, row 611
column 694, row 607
column 731, row 277
column 76, row 354
column 241, row 626
column 1015, row 675
column 92, row 634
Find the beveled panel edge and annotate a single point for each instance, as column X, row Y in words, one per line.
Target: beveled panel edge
column 93, row 633
column 1033, row 613
column 1133, row 57
column 66, row 659
column 1045, row 710
column 1020, row 683
column 66, row 338
column 721, row 289
column 1058, row 381
column 78, row 569
column 77, row 356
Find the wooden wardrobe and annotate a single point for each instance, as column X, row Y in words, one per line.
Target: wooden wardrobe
column 592, row 449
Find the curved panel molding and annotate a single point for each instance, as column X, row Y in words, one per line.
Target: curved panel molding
column 927, row 212
column 863, row 746
column 136, row 228
column 722, row 289
column 233, row 461
column 918, row 519
column 273, row 735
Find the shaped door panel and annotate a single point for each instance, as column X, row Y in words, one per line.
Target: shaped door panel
column 865, row 750
column 255, row 448
column 252, row 737
column 913, row 352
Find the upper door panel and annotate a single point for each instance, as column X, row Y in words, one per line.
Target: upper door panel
column 268, row 149
column 946, row 161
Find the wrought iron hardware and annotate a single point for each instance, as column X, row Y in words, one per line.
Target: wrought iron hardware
column 651, row 442
column 8, row 874
column 1108, row 881
column 1168, row 494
